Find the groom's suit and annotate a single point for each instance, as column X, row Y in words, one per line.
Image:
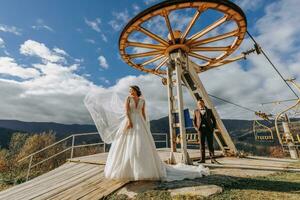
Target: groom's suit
column 205, row 125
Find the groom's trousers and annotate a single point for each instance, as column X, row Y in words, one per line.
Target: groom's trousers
column 206, row 134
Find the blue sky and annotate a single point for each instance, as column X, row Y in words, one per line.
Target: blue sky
column 53, row 51
column 68, row 29
column 64, row 24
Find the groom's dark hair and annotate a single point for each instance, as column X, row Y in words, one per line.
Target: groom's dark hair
column 137, row 89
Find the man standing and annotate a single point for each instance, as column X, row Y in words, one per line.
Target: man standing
column 205, row 123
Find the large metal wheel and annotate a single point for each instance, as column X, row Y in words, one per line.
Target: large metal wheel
column 146, row 47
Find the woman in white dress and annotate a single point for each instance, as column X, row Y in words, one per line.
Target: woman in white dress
column 133, row 154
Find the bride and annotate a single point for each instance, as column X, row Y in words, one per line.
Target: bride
column 133, row 154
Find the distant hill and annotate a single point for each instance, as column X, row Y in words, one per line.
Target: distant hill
column 234, row 126
column 240, row 131
column 61, row 130
column 5, row 135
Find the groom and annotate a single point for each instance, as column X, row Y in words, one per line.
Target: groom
column 205, row 123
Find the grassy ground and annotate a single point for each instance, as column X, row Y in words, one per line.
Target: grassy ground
column 282, row 186
column 4, row 186
column 279, row 186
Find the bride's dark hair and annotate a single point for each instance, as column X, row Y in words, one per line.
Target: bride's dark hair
column 137, row 89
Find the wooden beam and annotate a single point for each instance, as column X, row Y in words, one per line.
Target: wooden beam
column 145, row 54
column 166, row 16
column 152, row 60
column 215, row 38
column 145, row 45
column 162, row 63
column 207, row 29
column 209, row 48
column 153, row 36
column 195, row 55
column 191, row 24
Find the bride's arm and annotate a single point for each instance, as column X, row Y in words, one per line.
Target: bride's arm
column 127, row 108
column 143, row 111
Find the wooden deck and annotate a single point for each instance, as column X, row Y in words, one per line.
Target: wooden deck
column 79, row 178
column 164, row 154
column 83, row 178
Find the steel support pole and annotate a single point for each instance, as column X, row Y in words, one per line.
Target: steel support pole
column 172, row 128
column 180, row 59
column 230, row 149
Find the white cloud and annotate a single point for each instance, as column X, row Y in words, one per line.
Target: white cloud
column 147, row 2
column 247, row 82
column 44, row 90
column 60, row 51
column 105, row 80
column 94, row 24
column 2, row 43
column 119, row 19
column 279, row 28
column 79, row 60
column 102, row 62
column 10, row 29
column 40, row 25
column 8, row 66
column 33, row 48
column 30, row 101
column 57, row 80
column 104, row 38
column 136, row 8
column 90, row 41
column 249, row 5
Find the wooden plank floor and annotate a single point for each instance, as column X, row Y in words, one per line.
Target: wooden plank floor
column 79, row 178
column 83, row 178
column 164, row 154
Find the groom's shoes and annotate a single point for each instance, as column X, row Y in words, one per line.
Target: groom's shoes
column 214, row 161
column 201, row 161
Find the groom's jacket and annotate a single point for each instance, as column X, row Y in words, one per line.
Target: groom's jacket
column 208, row 119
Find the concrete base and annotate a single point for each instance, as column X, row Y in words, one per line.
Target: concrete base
column 185, row 187
column 202, row 190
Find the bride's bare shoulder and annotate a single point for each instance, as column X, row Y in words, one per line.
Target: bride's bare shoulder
column 128, row 98
column 142, row 99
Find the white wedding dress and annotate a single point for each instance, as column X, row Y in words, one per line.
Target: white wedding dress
column 133, row 154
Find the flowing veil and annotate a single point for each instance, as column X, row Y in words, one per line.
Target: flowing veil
column 107, row 109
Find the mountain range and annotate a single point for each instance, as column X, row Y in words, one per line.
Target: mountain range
column 236, row 128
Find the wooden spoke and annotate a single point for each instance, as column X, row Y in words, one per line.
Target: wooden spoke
column 191, row 24
column 145, row 54
column 195, row 55
column 207, row 29
column 154, row 48
column 152, row 60
column 162, row 63
column 215, row 38
column 229, row 60
column 210, row 48
column 145, row 45
column 166, row 16
column 153, row 36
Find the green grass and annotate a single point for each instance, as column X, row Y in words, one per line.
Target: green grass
column 277, row 186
